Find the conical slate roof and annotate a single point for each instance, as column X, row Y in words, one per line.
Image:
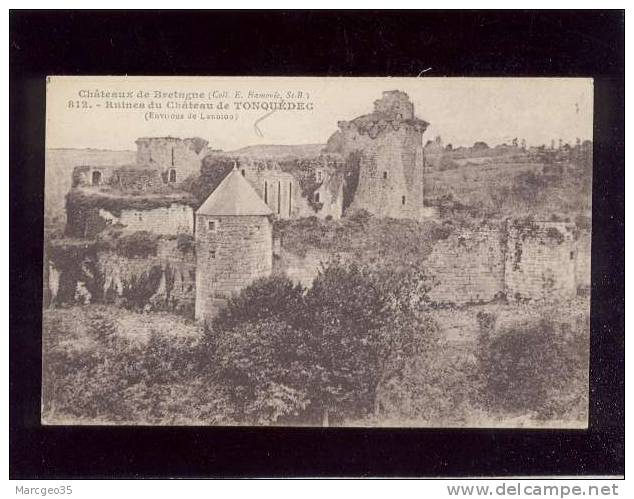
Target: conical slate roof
column 234, row 196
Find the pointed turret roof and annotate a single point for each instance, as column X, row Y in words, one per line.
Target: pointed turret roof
column 234, row 196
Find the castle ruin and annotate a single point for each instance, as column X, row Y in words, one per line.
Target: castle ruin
column 375, row 163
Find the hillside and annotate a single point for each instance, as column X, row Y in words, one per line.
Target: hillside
column 505, row 188
column 59, row 168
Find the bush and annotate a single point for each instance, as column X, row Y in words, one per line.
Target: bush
column 365, row 329
column 536, row 366
column 437, row 389
column 268, row 367
column 114, row 379
column 274, row 297
column 139, row 244
column 139, row 289
column 185, row 242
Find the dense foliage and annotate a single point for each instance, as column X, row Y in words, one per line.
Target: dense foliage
column 535, row 365
column 326, row 349
column 355, row 348
column 139, row 244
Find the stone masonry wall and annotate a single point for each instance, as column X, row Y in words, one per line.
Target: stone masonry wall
column 279, row 190
column 184, row 155
column 282, row 191
column 303, row 269
column 82, row 176
column 175, row 289
column 481, row 265
column 468, row 267
column 228, row 258
column 540, row 260
column 176, row 219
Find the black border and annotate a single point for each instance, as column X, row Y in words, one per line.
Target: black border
column 329, row 43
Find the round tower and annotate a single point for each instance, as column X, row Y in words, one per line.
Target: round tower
column 234, row 243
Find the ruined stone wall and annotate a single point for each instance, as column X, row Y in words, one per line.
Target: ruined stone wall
column 390, row 168
column 108, row 276
column 279, row 190
column 540, row 260
column 121, row 178
column 228, row 258
column 480, row 265
column 313, row 188
column 172, row 220
column 136, row 179
column 468, row 267
column 82, row 176
column 184, row 155
column 302, row 269
column 330, row 198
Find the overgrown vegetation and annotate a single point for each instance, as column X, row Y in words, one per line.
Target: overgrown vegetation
column 504, row 184
column 82, row 201
column 139, row 244
column 353, row 349
column 383, row 242
column 536, row 366
column 214, row 168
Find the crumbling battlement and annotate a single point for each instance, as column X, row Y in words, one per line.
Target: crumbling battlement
column 121, row 178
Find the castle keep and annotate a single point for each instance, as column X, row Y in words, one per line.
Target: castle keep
column 387, row 147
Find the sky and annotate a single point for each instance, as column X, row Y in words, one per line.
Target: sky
column 460, row 110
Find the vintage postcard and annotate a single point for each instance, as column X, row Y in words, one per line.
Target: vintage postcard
column 388, row 252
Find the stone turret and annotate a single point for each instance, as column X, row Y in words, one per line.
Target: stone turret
column 234, row 243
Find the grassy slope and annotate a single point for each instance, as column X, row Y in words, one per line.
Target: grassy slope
column 497, row 186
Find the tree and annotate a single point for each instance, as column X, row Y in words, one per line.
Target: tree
column 365, row 329
column 480, row 146
column 535, row 365
column 284, row 352
column 214, row 168
column 269, row 368
column 274, row 297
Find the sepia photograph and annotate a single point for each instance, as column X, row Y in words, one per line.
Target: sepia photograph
column 344, row 252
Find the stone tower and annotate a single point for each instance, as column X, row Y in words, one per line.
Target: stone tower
column 388, row 146
column 234, row 243
column 176, row 158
